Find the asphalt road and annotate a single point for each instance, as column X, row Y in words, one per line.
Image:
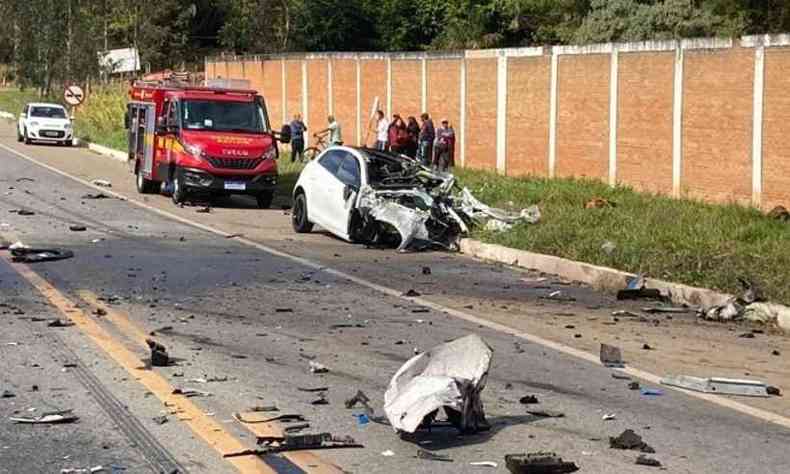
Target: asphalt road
column 227, row 309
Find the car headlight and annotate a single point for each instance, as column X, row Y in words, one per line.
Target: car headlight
column 33, row 124
column 193, row 150
column 269, row 154
column 67, row 126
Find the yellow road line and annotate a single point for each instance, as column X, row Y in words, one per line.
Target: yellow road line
column 202, row 425
column 305, row 460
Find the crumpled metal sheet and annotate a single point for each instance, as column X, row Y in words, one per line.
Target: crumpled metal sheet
column 475, row 209
column 408, row 222
column 450, row 375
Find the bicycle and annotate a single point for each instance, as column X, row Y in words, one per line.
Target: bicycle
column 312, row 152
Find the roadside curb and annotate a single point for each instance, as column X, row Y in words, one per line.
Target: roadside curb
column 606, row 278
column 108, row 152
column 6, row 115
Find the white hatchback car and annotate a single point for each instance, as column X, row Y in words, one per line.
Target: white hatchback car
column 45, row 123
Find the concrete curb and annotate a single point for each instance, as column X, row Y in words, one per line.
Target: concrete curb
column 607, row 278
column 108, row 152
column 6, row 115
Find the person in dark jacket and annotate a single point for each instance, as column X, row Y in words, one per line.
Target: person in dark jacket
column 425, row 140
column 412, row 134
column 297, row 138
column 444, row 147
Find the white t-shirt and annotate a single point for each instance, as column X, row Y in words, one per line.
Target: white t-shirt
column 381, row 130
column 335, row 136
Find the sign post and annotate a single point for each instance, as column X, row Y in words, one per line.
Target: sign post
column 74, row 96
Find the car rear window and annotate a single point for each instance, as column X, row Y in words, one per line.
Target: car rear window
column 48, row 112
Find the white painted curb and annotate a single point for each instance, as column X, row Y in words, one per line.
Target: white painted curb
column 7, row 115
column 605, row 278
column 108, row 152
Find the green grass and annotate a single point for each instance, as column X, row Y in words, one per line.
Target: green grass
column 677, row 240
column 12, row 100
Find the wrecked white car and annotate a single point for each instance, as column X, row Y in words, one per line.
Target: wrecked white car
column 449, row 376
column 379, row 198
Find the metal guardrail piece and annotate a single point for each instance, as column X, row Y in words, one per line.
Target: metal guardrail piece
column 717, row 385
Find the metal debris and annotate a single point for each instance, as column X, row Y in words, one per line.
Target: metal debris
column 528, row 400
column 317, row 368
column 628, row 439
column 102, row 182
column 53, row 417
column 643, row 460
column 429, row 456
column 31, row 255
column 159, row 357
column 538, row 463
column 309, row 442
column 611, row 356
column 546, row 413
column 60, row 323
column 77, row 228
column 359, row 398
column 723, row 386
column 449, row 376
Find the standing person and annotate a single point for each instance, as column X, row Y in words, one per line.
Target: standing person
column 396, row 134
column 445, row 146
column 297, row 138
column 425, row 141
column 412, row 135
column 333, row 131
column 382, row 127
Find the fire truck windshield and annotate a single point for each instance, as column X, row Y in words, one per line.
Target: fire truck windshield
column 241, row 117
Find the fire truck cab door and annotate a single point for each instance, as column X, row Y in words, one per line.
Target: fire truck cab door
column 171, row 124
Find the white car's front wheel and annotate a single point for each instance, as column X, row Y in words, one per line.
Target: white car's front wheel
column 28, row 141
column 19, row 136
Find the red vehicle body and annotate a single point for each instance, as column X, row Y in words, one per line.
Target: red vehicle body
column 189, row 140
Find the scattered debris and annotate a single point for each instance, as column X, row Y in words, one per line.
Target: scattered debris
column 191, row 392
column 451, row 376
column 619, row 376
column 283, row 310
column 609, row 417
column 31, row 255
column 608, row 247
column 528, row 400
column 412, row 293
column 643, row 460
column 96, row 196
column 611, row 356
column 77, row 228
column 429, row 456
column 321, row 400
column 7, row 394
column 628, row 439
column 204, row 210
column 388, row 453
column 775, row 353
column 651, row 392
column 538, row 463
column 159, row 357
column 634, row 386
column 19, row 180
column 747, row 335
column 545, row 413
column 250, row 418
column 264, row 408
column 313, row 389
column 637, row 289
column 362, row 399
column 160, row 420
column 484, row 463
column 308, row 442
column 666, row 309
column 23, row 212
column 773, row 391
column 724, row 386
column 426, row 270
column 747, row 305
column 317, row 368
column 53, row 417
column 102, row 183
column 60, row 323
column 647, row 347
column 99, row 312
column 558, row 295
column 362, row 419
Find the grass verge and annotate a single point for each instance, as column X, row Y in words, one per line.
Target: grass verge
column 673, row 239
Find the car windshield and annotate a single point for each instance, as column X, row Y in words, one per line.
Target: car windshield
column 244, row 117
column 48, row 112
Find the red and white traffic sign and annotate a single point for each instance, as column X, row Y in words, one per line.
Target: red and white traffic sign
column 74, row 95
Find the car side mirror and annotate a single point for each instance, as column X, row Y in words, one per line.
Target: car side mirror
column 161, row 126
column 285, row 134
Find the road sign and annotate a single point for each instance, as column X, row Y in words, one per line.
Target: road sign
column 74, row 95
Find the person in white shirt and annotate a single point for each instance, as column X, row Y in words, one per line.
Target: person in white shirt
column 382, row 131
column 333, row 131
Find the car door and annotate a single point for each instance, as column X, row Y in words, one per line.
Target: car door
column 322, row 175
column 344, row 197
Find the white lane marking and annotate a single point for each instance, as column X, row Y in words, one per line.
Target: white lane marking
column 556, row 346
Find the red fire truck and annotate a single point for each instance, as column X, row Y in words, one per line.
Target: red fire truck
column 187, row 141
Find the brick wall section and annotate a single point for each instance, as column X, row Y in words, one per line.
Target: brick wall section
column 253, row 72
column 583, row 116
column 444, row 94
column 211, row 70
column 345, row 92
column 406, row 87
column 235, row 70
column 717, row 125
column 374, row 84
column 318, row 103
column 272, row 87
column 644, row 128
column 528, row 84
column 481, row 95
column 293, row 88
column 776, row 129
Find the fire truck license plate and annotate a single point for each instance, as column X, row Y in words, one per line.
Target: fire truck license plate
column 235, row 185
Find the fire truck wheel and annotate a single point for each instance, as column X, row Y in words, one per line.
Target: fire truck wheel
column 179, row 191
column 145, row 186
column 265, row 199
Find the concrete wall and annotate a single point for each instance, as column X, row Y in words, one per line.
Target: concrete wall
column 706, row 118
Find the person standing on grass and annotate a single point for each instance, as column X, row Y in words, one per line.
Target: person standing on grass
column 396, row 134
column 382, row 127
column 445, row 146
column 412, row 135
column 425, row 141
column 333, row 131
column 297, row 138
